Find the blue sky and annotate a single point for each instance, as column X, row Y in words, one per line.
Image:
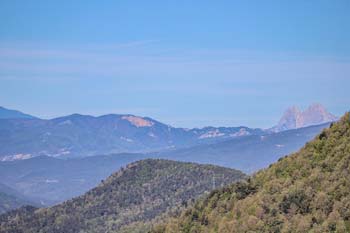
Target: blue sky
column 186, row 63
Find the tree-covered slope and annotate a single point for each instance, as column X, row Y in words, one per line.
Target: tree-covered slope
column 127, row 201
column 308, row 191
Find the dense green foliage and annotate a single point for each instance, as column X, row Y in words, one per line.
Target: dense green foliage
column 128, row 201
column 308, row 191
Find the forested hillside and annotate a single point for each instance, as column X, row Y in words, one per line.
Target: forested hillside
column 128, row 201
column 308, row 191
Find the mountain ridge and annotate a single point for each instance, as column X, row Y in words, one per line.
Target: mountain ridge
column 83, row 135
column 78, row 135
column 131, row 198
column 6, row 113
column 307, row 191
column 241, row 153
column 52, row 180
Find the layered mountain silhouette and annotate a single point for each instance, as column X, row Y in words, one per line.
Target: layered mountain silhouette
column 90, row 148
column 52, row 180
column 307, row 191
column 128, row 201
column 294, row 118
column 249, row 153
column 82, row 135
column 23, row 136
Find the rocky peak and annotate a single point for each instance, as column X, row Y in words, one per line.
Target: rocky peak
column 316, row 114
column 294, row 118
column 290, row 118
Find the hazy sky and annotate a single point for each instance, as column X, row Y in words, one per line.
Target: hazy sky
column 185, row 63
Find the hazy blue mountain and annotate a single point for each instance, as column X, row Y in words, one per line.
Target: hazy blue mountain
column 13, row 114
column 81, row 135
column 11, row 199
column 50, row 180
column 248, row 153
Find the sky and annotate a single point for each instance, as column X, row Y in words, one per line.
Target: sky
column 185, row 63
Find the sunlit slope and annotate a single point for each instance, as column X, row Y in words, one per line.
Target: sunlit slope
column 308, row 191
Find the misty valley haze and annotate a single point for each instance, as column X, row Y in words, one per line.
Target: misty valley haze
column 65, row 157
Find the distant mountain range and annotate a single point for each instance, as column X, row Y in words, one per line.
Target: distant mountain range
column 51, row 180
column 127, row 201
column 81, row 135
column 82, row 140
column 249, row 153
column 13, row 114
column 294, row 118
column 23, row 136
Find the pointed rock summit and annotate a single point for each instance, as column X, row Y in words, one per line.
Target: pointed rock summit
column 294, row 118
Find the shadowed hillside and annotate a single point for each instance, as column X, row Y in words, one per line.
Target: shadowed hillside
column 140, row 193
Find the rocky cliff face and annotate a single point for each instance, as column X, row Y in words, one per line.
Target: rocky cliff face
column 316, row 114
column 294, row 118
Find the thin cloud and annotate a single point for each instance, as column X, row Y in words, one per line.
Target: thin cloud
column 223, row 66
